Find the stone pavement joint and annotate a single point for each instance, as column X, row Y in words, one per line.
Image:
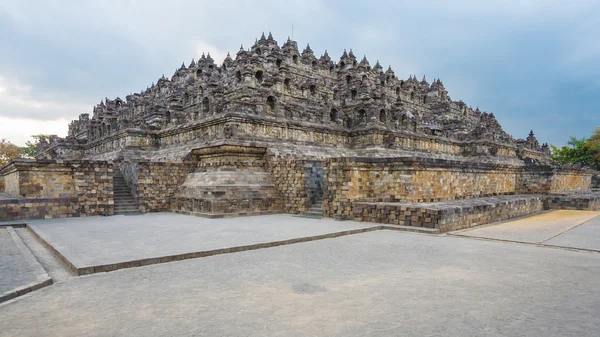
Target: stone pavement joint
column 37, row 273
column 568, row 229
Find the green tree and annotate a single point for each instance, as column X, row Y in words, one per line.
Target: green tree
column 31, row 148
column 584, row 151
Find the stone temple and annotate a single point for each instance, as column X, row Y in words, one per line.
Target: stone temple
column 276, row 129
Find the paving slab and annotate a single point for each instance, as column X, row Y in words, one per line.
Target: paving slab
column 534, row 229
column 97, row 244
column 382, row 283
column 20, row 272
column 586, row 236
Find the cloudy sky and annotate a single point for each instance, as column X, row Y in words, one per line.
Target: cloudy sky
column 534, row 63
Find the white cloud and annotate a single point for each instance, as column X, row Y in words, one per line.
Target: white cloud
column 19, row 130
column 17, row 99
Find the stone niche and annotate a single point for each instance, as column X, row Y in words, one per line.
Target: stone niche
column 230, row 180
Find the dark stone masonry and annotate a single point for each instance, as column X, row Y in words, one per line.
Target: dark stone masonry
column 279, row 130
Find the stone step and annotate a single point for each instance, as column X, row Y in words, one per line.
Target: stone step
column 320, row 214
column 123, row 193
column 128, row 209
column 124, row 199
column 125, row 202
column 127, row 212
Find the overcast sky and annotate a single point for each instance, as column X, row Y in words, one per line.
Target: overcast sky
column 534, row 64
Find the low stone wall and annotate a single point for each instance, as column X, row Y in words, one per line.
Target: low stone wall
column 412, row 179
column 24, row 209
column 585, row 201
column 449, row 216
column 50, row 189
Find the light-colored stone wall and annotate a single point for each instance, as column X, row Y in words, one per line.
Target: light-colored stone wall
column 399, row 181
column 11, row 184
column 51, row 189
column 351, row 180
column 570, row 182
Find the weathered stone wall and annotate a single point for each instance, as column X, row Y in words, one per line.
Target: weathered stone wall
column 418, row 180
column 575, row 201
column 571, row 181
column 23, row 209
column 156, row 184
column 94, row 187
column 225, row 201
column 288, row 174
column 49, row 189
column 51, row 180
column 449, row 216
column 2, row 184
column 11, row 181
column 336, row 187
column 543, row 180
column 431, row 180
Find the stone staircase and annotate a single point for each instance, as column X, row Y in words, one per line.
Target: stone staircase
column 315, row 210
column 124, row 201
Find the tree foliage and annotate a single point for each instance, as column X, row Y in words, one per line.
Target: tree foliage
column 31, row 148
column 8, row 151
column 584, row 151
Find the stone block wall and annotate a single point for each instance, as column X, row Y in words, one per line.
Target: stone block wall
column 544, row 180
column 354, row 179
column 51, row 189
column 577, row 201
column 223, row 201
column 31, row 179
column 156, row 184
column 571, row 181
column 94, row 187
column 449, row 216
column 24, row 209
column 230, row 180
column 288, row 174
column 336, row 188
column 413, row 180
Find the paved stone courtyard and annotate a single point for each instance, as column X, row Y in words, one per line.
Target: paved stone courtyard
column 19, row 270
column 377, row 283
column 101, row 241
column 564, row 228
